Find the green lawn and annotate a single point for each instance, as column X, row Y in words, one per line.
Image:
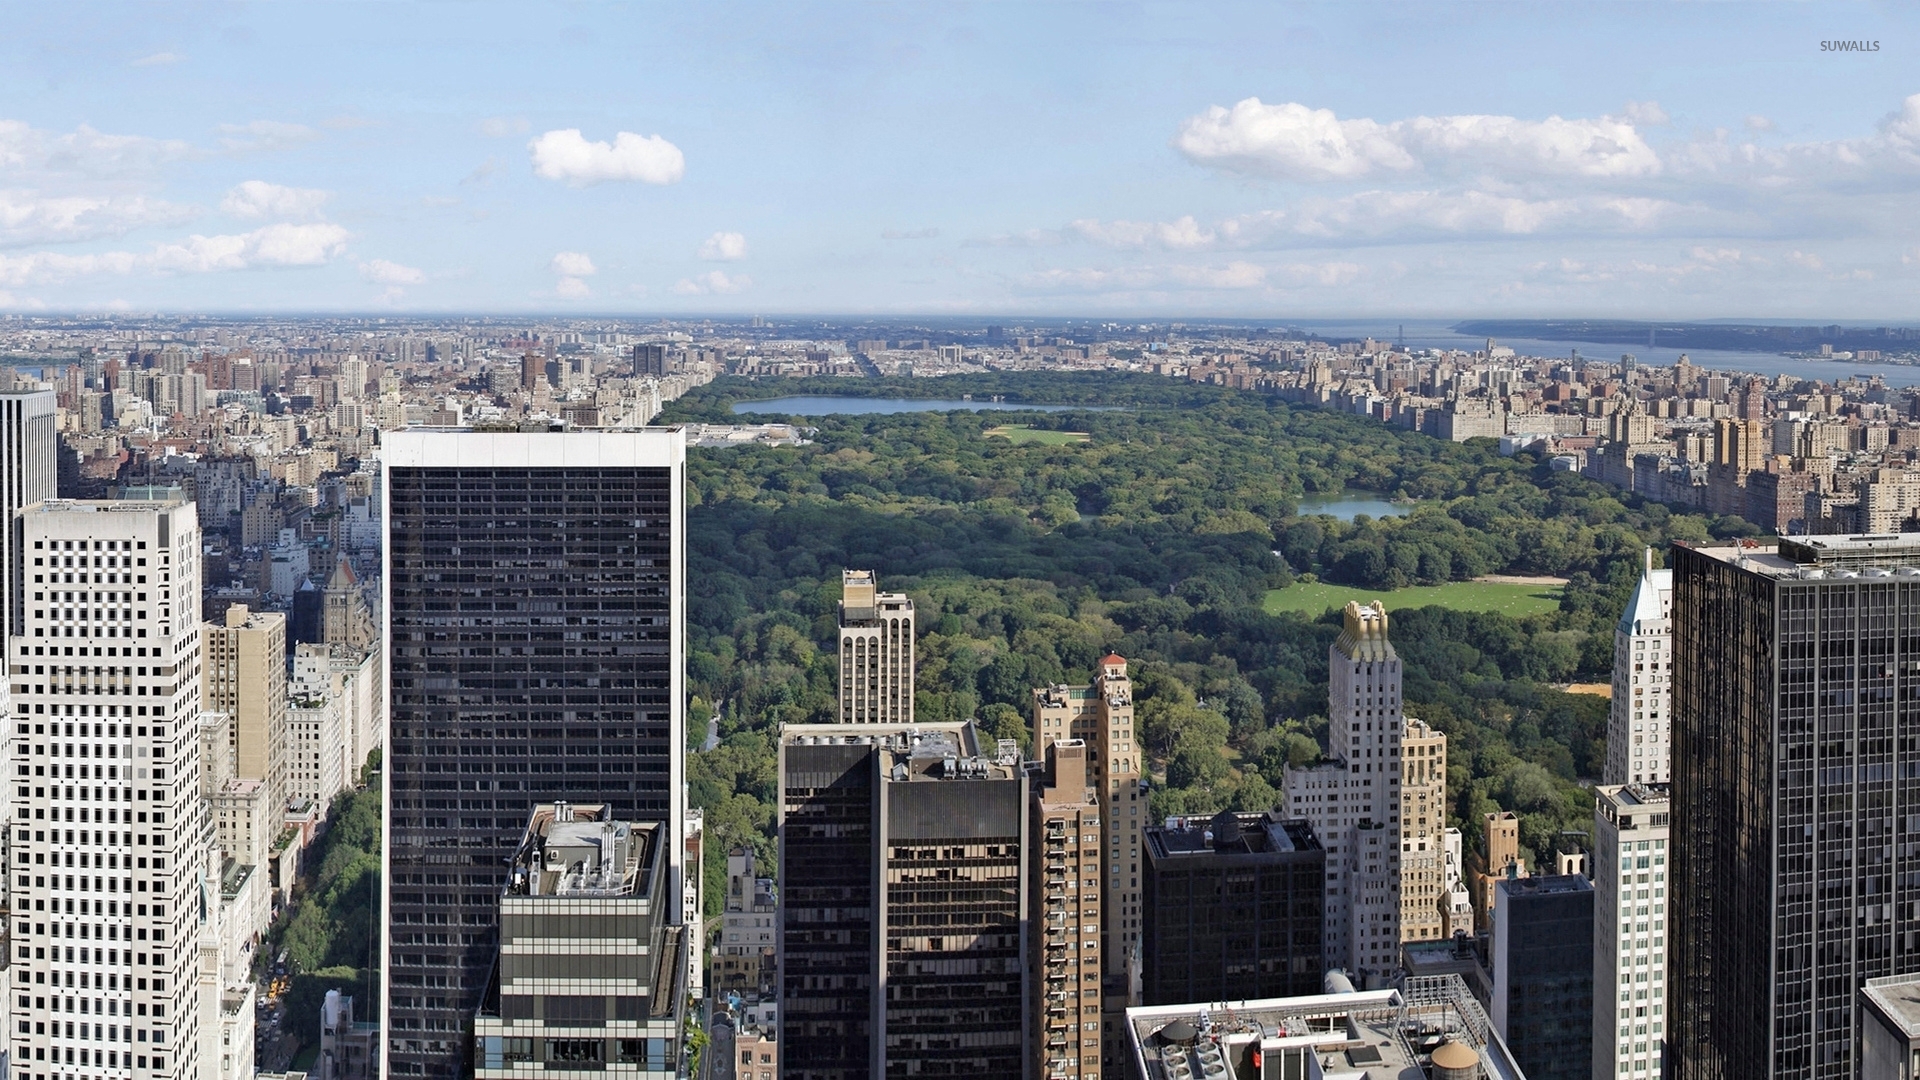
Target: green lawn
column 1509, row 599
column 1021, row 433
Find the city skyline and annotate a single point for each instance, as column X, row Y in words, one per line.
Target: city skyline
column 1117, row 161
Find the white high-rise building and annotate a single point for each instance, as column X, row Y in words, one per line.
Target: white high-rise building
column 1640, row 725
column 1353, row 799
column 110, row 833
column 1630, row 825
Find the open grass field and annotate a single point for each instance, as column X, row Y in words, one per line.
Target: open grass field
column 1021, row 433
column 1508, row 598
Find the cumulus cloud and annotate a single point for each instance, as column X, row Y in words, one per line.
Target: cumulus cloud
column 29, row 151
column 1294, row 142
column 573, row 264
column 275, row 246
column 724, row 247
column 1178, row 234
column 1806, row 260
column 567, row 156
column 159, row 59
column 1757, row 123
column 383, row 272
column 263, row 135
column 572, row 288
column 257, row 198
column 712, row 282
column 29, row 217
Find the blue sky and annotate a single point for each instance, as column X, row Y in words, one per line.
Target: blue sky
column 1281, row 161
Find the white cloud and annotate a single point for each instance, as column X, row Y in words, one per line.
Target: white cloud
column 383, row 272
column 264, row 135
column 274, row 246
column 711, row 282
column 572, row 288
column 567, row 156
column 159, row 59
column 1294, row 142
column 1806, row 260
column 500, row 127
column 257, row 198
column 28, row 217
column 724, row 247
column 1236, row 275
column 27, row 151
column 1183, row 233
column 1758, row 123
column 573, row 264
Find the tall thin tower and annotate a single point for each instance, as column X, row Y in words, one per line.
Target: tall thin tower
column 535, row 606
column 1354, row 799
column 1640, row 719
column 876, row 652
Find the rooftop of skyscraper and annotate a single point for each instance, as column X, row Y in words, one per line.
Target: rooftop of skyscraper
column 1428, row 1021
column 919, row 752
column 1862, row 555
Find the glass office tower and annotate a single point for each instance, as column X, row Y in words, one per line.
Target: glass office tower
column 534, row 596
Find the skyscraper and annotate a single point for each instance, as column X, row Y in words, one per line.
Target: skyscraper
column 535, row 587
column 1064, row 920
column 1543, row 974
column 903, row 895
column 1795, row 767
column 1630, row 830
column 650, row 360
column 1640, row 720
column 1423, row 828
column 1234, row 909
column 1101, row 716
column 29, row 472
column 876, row 652
column 1353, row 799
column 110, row 832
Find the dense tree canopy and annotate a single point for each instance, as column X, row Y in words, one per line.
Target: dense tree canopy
column 1158, row 538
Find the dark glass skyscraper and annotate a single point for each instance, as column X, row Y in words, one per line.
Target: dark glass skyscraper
column 1796, row 800
column 535, row 590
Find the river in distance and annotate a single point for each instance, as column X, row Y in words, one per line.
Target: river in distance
column 1437, row 334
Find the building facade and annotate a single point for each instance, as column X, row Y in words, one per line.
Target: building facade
column 1630, row 830
column 1235, row 909
column 744, row 959
column 876, row 652
column 245, row 676
column 1353, row 799
column 110, row 833
column 1064, row 926
column 1100, row 715
column 1424, row 890
column 535, row 606
column 1794, row 695
column 1543, row 974
column 1640, row 718
column 902, row 905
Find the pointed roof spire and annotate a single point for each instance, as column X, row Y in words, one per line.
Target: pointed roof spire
column 343, row 576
